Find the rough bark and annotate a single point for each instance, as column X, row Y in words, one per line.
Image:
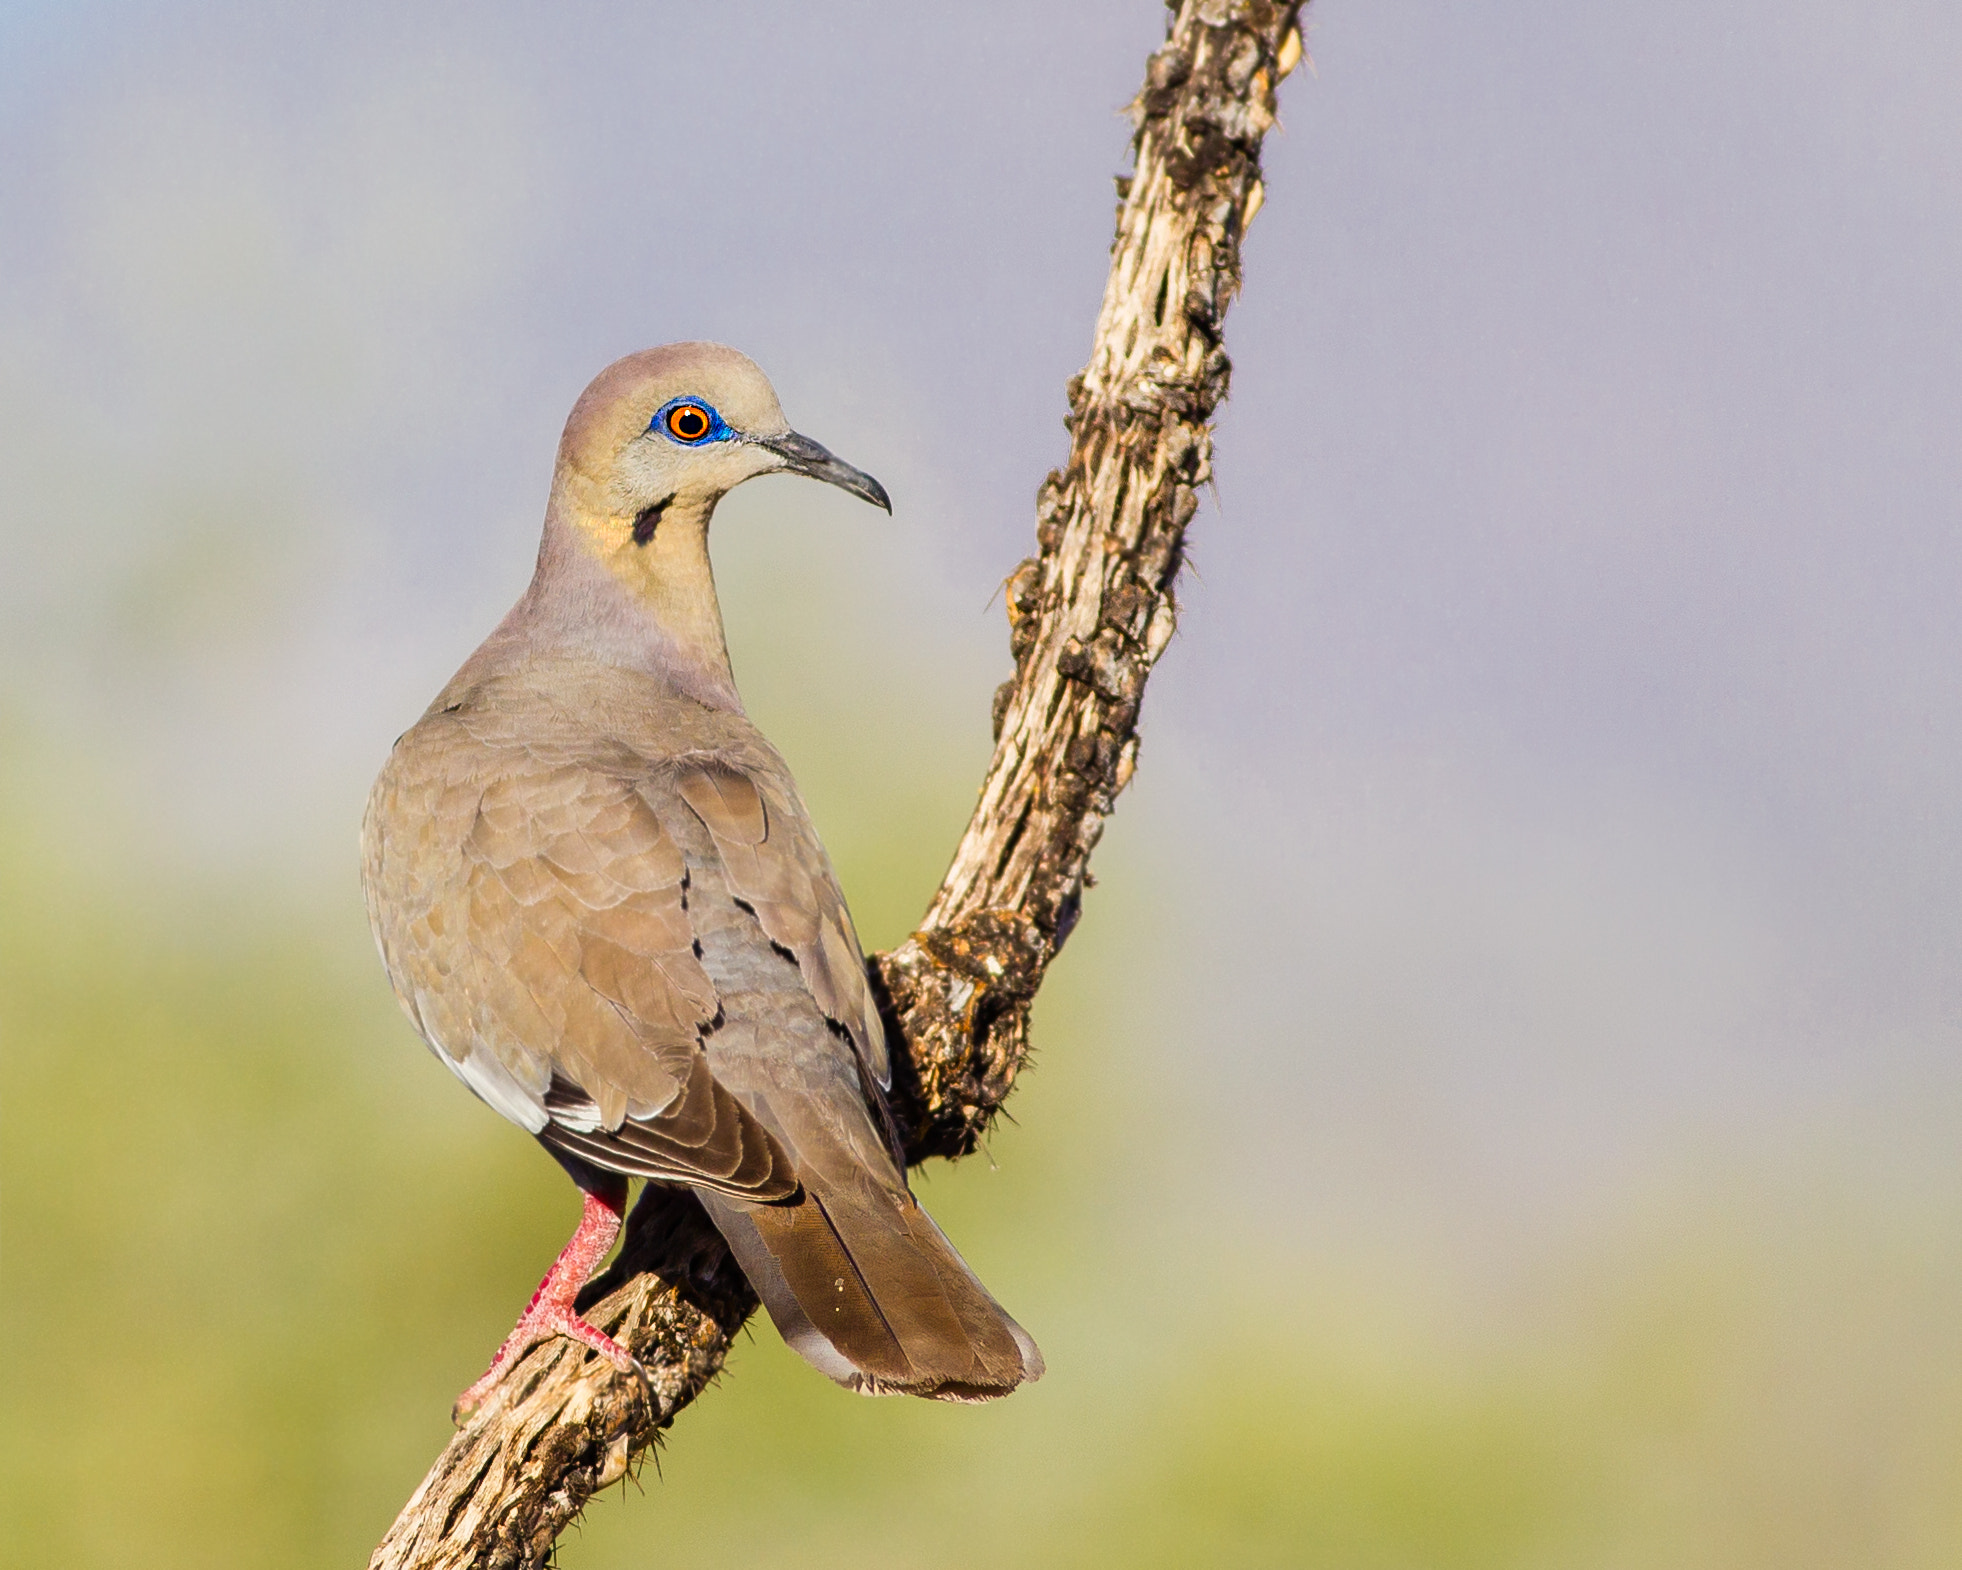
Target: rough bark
column 1088, row 614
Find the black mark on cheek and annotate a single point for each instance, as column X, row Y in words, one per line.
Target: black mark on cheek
column 649, row 520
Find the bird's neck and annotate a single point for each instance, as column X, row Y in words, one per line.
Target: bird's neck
column 648, row 606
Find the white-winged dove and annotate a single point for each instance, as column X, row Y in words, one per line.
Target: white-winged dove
column 603, row 905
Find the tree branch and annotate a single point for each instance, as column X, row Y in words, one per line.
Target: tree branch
column 1089, row 615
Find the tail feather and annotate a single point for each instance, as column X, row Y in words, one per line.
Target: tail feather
column 866, row 1288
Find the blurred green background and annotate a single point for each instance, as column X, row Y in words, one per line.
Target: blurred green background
column 1501, row 1107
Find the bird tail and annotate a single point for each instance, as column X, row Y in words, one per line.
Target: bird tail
column 867, row 1289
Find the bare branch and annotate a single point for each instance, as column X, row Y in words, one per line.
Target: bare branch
column 1089, row 615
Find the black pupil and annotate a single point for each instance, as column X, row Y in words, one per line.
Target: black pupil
column 690, row 422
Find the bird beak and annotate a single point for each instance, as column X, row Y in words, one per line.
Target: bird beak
column 801, row 455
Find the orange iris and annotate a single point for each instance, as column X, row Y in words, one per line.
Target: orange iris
column 688, row 422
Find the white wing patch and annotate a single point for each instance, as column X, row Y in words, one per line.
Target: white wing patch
column 489, row 1080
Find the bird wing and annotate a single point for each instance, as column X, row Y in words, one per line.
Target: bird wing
column 634, row 946
column 551, row 960
column 775, row 865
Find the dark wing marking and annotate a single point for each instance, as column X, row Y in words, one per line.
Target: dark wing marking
column 776, row 866
column 559, row 956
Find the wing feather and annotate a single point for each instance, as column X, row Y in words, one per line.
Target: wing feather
column 776, row 866
column 562, row 929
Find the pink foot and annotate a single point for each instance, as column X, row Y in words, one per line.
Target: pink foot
column 550, row 1312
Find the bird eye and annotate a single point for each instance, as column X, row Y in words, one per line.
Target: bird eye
column 689, row 422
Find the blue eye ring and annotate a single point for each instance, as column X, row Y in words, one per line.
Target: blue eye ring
column 691, row 422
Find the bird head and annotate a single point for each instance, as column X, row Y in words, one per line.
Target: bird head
column 671, row 431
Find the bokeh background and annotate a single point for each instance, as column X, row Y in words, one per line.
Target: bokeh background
column 1502, row 1106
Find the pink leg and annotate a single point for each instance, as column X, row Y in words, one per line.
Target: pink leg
column 550, row 1312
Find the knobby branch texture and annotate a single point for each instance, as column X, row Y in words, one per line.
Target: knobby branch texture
column 1089, row 614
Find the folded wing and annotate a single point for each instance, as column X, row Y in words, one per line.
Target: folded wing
column 552, row 965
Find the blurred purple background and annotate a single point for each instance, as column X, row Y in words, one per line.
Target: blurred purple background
column 1545, row 847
